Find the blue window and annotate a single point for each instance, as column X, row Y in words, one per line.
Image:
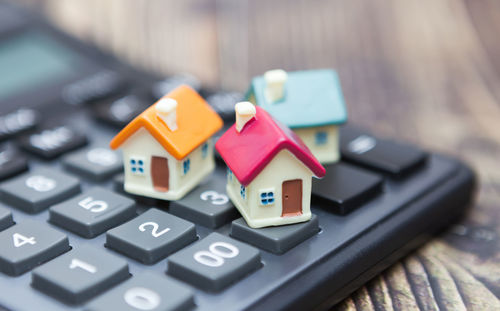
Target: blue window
column 321, row 138
column 137, row 165
column 186, row 165
column 243, row 191
column 204, row 150
column 229, row 174
column 267, row 197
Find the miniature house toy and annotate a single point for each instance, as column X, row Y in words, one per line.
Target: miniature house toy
column 167, row 149
column 270, row 169
column 309, row 102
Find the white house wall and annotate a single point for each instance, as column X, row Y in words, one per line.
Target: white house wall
column 284, row 166
column 142, row 144
column 326, row 153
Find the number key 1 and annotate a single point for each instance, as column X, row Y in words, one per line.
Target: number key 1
column 151, row 236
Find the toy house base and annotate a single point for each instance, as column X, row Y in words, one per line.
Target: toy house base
column 266, row 222
column 173, row 194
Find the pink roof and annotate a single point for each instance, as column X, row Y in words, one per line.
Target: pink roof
column 248, row 152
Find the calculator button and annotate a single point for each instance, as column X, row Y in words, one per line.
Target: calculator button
column 11, row 162
column 223, row 103
column 214, row 262
column 93, row 212
column 147, row 291
column 17, row 122
column 121, row 111
column 384, row 155
column 53, row 142
column 118, row 182
column 98, row 86
column 38, row 189
column 163, row 87
column 151, row 236
column 5, row 217
column 80, row 274
column 278, row 239
column 96, row 163
column 345, row 187
column 207, row 205
column 27, row 244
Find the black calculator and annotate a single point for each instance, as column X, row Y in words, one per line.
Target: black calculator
column 72, row 239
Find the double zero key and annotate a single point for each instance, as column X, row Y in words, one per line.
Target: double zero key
column 214, row 262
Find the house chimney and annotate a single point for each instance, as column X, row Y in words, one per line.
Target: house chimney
column 245, row 111
column 166, row 111
column 275, row 84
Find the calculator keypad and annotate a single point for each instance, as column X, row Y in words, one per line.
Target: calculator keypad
column 27, row 244
column 93, row 212
column 38, row 189
column 278, row 239
column 151, row 236
column 214, row 262
column 80, row 274
column 147, row 291
column 5, row 217
column 11, row 162
column 207, row 205
column 53, row 142
column 96, row 163
column 390, row 157
column 346, row 187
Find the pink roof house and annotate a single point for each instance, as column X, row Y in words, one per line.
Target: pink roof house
column 270, row 169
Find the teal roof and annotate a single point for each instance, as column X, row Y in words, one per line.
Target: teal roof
column 312, row 98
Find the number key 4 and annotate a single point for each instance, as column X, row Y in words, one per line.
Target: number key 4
column 27, row 244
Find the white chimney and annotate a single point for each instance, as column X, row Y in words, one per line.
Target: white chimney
column 245, row 111
column 275, row 84
column 166, row 110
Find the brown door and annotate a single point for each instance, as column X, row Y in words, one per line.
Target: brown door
column 292, row 198
column 159, row 173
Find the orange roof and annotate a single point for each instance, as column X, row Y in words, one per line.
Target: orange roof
column 196, row 122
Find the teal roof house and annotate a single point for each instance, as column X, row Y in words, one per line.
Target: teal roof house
column 309, row 102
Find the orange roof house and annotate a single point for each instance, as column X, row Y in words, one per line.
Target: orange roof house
column 167, row 149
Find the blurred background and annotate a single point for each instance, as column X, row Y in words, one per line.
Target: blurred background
column 423, row 71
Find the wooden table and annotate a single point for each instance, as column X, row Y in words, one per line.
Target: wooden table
column 423, row 71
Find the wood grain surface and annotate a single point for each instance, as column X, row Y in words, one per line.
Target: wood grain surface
column 423, row 71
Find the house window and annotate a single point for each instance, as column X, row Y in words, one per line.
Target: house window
column 204, row 150
column 137, row 165
column 321, row 138
column 186, row 165
column 267, row 197
column 229, row 174
column 243, row 192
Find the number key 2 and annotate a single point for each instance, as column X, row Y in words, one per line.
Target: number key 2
column 151, row 236
column 207, row 205
column 92, row 212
